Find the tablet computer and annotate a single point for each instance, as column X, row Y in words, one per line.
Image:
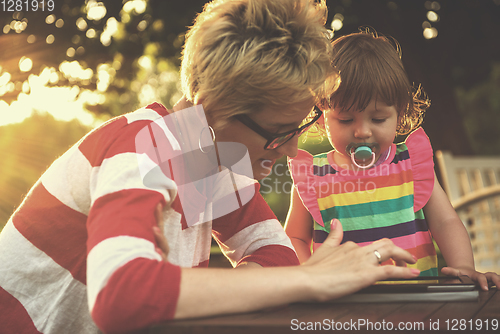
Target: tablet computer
column 424, row 288
column 424, row 284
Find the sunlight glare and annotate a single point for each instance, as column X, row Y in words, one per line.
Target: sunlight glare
column 138, row 6
column 81, row 24
column 26, row 87
column 73, row 70
column 4, row 79
column 145, row 62
column 95, row 10
column 109, row 31
column 105, row 74
column 70, row 104
column 25, row 64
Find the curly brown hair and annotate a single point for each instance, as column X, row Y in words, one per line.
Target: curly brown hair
column 370, row 67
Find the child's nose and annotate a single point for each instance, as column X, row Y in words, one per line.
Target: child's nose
column 362, row 131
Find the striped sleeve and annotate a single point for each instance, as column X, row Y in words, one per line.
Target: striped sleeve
column 129, row 287
column 253, row 234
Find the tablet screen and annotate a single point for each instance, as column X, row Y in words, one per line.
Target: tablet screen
column 423, row 283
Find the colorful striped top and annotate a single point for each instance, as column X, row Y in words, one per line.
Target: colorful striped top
column 384, row 201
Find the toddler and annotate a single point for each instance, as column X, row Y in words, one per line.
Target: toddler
column 375, row 188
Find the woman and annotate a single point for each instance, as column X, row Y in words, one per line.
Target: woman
column 80, row 252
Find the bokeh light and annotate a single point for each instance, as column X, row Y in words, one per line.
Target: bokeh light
column 337, row 22
column 95, row 10
column 430, row 33
column 81, row 24
column 50, row 19
column 60, row 23
column 50, row 39
column 137, row 6
column 432, row 16
column 25, row 64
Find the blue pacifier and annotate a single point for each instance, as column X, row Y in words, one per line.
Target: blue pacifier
column 363, row 152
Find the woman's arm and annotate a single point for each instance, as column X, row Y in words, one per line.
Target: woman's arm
column 299, row 227
column 341, row 269
column 452, row 238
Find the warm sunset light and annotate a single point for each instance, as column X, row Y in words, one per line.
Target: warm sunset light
column 71, row 100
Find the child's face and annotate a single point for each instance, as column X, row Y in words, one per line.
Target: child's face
column 374, row 125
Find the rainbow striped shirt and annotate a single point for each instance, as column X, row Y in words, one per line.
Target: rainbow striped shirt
column 384, row 201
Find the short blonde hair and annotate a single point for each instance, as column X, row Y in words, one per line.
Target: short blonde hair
column 370, row 67
column 243, row 55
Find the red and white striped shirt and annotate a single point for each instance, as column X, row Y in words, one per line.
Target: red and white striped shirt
column 80, row 250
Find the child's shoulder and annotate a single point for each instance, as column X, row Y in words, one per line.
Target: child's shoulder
column 417, row 141
column 305, row 161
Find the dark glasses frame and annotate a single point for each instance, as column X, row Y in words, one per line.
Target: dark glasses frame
column 275, row 140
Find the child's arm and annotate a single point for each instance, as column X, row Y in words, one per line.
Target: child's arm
column 299, row 227
column 452, row 238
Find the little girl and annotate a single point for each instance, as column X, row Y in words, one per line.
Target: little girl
column 375, row 188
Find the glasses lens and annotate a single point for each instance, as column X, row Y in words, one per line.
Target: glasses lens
column 277, row 142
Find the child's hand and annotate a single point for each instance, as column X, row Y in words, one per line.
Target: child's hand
column 483, row 279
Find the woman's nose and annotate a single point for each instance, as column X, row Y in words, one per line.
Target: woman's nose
column 290, row 148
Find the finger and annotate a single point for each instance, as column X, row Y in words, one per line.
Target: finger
column 483, row 282
column 336, row 234
column 396, row 272
column 161, row 241
column 163, row 256
column 388, row 250
column 159, row 215
column 400, row 263
column 494, row 279
column 449, row 271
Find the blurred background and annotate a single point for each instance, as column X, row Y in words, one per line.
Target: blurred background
column 66, row 66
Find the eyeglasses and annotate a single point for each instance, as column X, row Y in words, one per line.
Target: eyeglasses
column 275, row 140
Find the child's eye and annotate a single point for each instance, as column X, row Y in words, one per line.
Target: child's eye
column 379, row 120
column 345, row 121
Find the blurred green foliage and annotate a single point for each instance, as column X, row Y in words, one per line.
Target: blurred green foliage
column 276, row 188
column 480, row 109
column 28, row 148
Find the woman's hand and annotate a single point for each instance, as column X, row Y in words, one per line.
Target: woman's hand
column 338, row 270
column 483, row 279
column 162, row 248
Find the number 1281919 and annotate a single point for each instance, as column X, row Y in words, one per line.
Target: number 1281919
column 27, row 5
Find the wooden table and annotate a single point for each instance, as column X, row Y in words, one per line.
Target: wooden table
column 420, row 317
